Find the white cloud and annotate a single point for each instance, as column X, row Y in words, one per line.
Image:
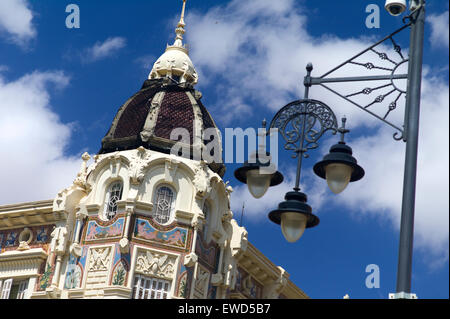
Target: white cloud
column 380, row 191
column 105, row 49
column 262, row 48
column 16, row 20
column 439, row 29
column 33, row 139
column 259, row 57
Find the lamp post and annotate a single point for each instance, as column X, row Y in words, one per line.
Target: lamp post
column 410, row 131
column 297, row 214
column 302, row 123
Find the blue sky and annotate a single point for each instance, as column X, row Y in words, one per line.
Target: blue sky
column 60, row 89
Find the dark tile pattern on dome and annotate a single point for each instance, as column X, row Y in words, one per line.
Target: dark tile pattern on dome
column 176, row 112
column 133, row 117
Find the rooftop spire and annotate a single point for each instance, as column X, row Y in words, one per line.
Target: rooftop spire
column 180, row 28
column 175, row 62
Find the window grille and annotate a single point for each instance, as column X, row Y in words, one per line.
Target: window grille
column 8, row 290
column 150, row 288
column 5, row 288
column 113, row 196
column 164, row 204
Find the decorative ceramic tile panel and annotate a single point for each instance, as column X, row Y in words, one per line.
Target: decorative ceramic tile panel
column 40, row 237
column 97, row 230
column 176, row 236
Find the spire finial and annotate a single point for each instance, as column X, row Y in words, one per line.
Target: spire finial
column 175, row 61
column 180, row 28
column 181, row 23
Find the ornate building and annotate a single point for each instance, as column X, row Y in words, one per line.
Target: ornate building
column 140, row 221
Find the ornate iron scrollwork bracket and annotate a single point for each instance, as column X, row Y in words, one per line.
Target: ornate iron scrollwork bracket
column 302, row 123
column 387, row 91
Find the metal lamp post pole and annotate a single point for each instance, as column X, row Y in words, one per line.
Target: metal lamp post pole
column 301, row 150
column 410, row 131
column 305, row 113
column 412, row 136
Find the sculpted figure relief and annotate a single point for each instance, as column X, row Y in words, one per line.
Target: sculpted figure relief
column 99, row 259
column 159, row 265
column 139, row 162
column 201, row 283
column 201, row 179
column 59, row 238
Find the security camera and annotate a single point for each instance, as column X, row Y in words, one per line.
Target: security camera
column 395, row 7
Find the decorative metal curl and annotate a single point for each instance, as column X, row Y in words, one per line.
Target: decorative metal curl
column 387, row 92
column 398, row 136
column 302, row 123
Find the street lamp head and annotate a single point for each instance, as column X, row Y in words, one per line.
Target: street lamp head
column 258, row 176
column 294, row 215
column 257, row 183
column 395, row 7
column 339, row 167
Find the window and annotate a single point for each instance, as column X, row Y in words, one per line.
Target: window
column 150, row 288
column 10, row 290
column 164, row 204
column 206, row 212
column 113, row 195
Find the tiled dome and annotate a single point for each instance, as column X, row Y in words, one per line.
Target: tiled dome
column 149, row 116
column 166, row 101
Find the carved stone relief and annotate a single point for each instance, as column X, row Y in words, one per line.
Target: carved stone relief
column 201, row 180
column 201, row 283
column 138, row 164
column 114, row 164
column 171, row 166
column 273, row 290
column 99, row 259
column 59, row 240
column 156, row 264
column 80, row 180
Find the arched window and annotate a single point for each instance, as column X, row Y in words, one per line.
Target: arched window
column 164, row 204
column 113, row 195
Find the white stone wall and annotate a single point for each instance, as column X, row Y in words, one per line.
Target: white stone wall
column 141, row 172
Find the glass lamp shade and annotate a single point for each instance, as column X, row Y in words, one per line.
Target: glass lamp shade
column 293, row 225
column 338, row 176
column 257, row 183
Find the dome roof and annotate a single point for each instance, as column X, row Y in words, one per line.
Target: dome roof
column 149, row 116
column 175, row 63
column 166, row 101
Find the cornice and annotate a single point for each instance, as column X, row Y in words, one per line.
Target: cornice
column 21, row 263
column 28, row 214
column 266, row 272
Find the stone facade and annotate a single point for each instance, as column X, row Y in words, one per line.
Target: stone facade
column 68, row 248
column 138, row 221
